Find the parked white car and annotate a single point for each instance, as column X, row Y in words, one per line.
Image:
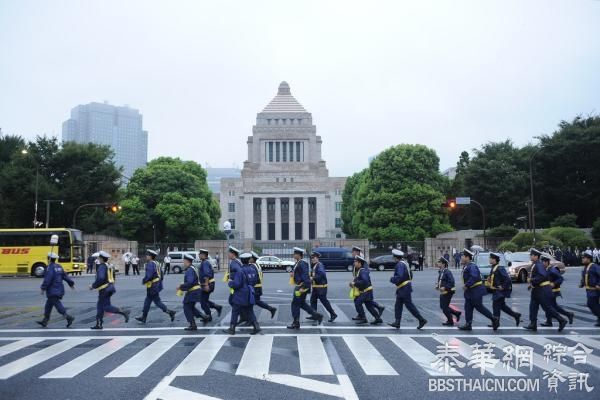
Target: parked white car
column 272, row 262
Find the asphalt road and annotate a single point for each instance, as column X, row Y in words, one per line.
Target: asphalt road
column 335, row 360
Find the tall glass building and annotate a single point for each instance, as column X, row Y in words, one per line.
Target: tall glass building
column 118, row 127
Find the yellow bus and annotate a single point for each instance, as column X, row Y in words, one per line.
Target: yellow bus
column 25, row 251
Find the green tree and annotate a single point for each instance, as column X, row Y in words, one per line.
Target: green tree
column 566, row 170
column 570, row 237
column 596, row 231
column 171, row 195
column 399, row 196
column 348, row 209
column 503, row 231
column 567, row 220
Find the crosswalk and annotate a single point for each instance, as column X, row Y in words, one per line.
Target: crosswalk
column 375, row 354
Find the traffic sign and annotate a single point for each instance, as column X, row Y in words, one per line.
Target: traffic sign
column 463, row 200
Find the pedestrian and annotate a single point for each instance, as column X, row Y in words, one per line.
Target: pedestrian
column 153, row 282
column 356, row 251
column 446, row 287
column 105, row 285
column 167, row 262
column 191, row 287
column 250, row 274
column 556, row 279
column 558, row 254
column 590, row 281
column 596, row 254
column 402, row 279
column 319, row 286
column 135, row 262
column 218, row 261
column 541, row 293
column 90, row 264
column 474, row 290
column 258, row 287
column 207, row 281
column 362, row 293
column 54, row 289
column 456, row 259
column 501, row 286
column 240, row 294
column 421, row 261
column 300, row 279
column 127, row 262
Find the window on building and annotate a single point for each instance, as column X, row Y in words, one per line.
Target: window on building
column 271, row 205
column 338, row 206
column 291, row 179
column 297, row 151
column 291, row 151
column 271, row 235
column 285, row 231
column 338, row 222
column 312, row 204
column 277, row 180
column 277, row 149
column 312, row 230
column 232, row 221
column 298, row 231
column 231, row 207
column 257, row 231
column 285, row 205
column 270, row 151
column 284, row 151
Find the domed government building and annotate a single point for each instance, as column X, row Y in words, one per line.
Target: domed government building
column 285, row 191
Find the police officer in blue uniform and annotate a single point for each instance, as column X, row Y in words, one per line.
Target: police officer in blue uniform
column 446, row 286
column 105, row 284
column 153, row 282
column 501, row 286
column 590, row 281
column 556, row 279
column 55, row 290
column 242, row 296
column 192, row 288
column 541, row 293
column 402, row 279
column 319, row 286
column 363, row 293
column 300, row 277
column 258, row 287
column 474, row 290
column 207, row 280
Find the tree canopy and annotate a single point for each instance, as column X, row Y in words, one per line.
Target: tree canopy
column 399, row 196
column 171, row 196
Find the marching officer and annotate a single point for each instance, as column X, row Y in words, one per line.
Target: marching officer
column 258, row 286
column 55, row 290
column 207, row 281
column 590, row 281
column 191, row 286
column 300, row 278
column 105, row 285
column 556, row 279
column 402, row 279
column 362, row 291
column 153, row 282
column 541, row 293
column 242, row 297
column 356, row 251
column 474, row 290
column 445, row 285
column 319, row 286
column 501, row 286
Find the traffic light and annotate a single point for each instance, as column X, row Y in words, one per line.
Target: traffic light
column 113, row 208
column 449, row 204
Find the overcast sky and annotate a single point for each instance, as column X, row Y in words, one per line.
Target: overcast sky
column 448, row 74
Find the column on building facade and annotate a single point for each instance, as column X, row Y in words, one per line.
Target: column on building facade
column 305, row 218
column 277, row 218
column 248, row 217
column 323, row 208
column 292, row 218
column 264, row 226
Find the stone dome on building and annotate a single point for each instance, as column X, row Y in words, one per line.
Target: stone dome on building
column 284, row 102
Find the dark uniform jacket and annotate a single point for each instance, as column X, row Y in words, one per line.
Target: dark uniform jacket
column 446, row 280
column 102, row 279
column 152, row 279
column 302, row 275
column 499, row 279
column 319, row 275
column 556, row 278
column 239, row 283
column 206, row 271
column 402, row 279
column 191, row 285
column 53, row 280
column 472, row 280
column 590, row 280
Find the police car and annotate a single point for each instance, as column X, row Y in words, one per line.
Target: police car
column 274, row 263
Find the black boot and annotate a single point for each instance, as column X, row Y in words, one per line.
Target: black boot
column 571, row 316
column 395, row 324
column 517, row 319
column 548, row 323
column 192, row 327
column 125, row 314
column 273, row 310
column 466, row 327
column 381, row 310
column 98, row 324
column 495, row 323
column 422, row 323
column 141, row 318
column 377, row 321
column 458, row 314
column 532, row 326
column 561, row 324
column 362, row 321
column 358, row 318
column 231, row 330
column 310, row 318
column 171, row 314
column 332, row 317
column 318, row 317
column 219, row 309
column 43, row 322
column 448, row 323
column 69, row 319
column 294, row 325
column 256, row 328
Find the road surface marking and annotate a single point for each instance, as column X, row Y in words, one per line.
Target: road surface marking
column 257, row 357
column 199, row 359
column 370, row 360
column 312, row 355
column 18, row 345
column 420, row 355
column 137, row 364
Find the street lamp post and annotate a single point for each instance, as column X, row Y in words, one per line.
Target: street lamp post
column 37, row 182
column 62, row 202
column 531, row 191
column 483, row 217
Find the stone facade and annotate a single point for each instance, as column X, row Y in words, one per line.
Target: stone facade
column 285, row 192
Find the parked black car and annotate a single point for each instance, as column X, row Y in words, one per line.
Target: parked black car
column 336, row 258
column 387, row 261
